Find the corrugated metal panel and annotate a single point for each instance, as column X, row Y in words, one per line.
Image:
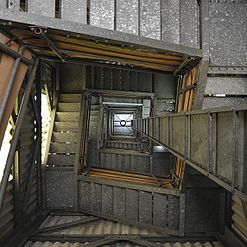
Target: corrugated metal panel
column 7, row 213
column 99, row 227
column 166, row 244
column 26, row 149
column 103, row 228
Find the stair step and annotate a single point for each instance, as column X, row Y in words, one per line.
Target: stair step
column 124, row 162
column 69, row 98
column 67, row 116
column 64, row 137
column 123, row 141
column 123, row 152
column 66, row 126
column 95, row 107
column 123, row 145
column 68, row 107
column 61, row 160
column 62, row 148
column 94, row 113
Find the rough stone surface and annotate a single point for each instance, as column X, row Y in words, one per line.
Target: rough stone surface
column 127, row 16
column 42, row 7
column 150, row 18
column 102, row 13
column 228, row 33
column 170, row 21
column 74, row 10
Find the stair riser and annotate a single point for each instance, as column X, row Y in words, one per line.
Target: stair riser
column 62, row 148
column 67, row 117
column 128, row 163
column 68, row 107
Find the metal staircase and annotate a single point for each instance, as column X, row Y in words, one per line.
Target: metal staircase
column 65, row 131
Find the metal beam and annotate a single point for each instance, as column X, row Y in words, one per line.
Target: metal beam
column 17, row 55
column 128, row 185
column 67, row 225
column 14, row 142
column 211, row 141
column 141, row 242
column 93, row 32
column 72, row 238
column 41, row 33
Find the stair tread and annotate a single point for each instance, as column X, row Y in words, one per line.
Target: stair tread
column 72, row 98
column 61, row 159
column 123, row 151
column 123, row 141
column 64, row 137
column 67, row 116
column 62, row 148
column 68, row 107
column 66, row 126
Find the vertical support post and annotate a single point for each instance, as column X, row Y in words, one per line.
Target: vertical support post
column 235, row 149
column 39, row 133
column 222, row 211
column 210, row 143
column 244, row 161
column 17, row 189
column 201, row 86
column 186, row 138
column 204, row 10
column 181, row 215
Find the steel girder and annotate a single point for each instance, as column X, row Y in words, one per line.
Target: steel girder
column 212, row 141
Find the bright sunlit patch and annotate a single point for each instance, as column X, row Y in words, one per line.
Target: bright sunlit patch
column 46, row 121
column 220, row 95
column 159, row 149
column 5, row 150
